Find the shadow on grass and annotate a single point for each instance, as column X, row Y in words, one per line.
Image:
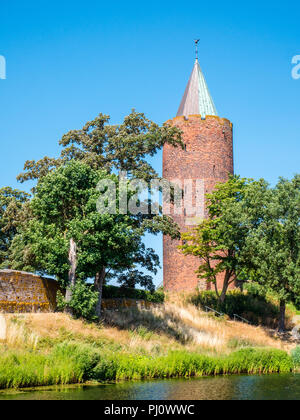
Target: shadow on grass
column 157, row 320
column 258, row 310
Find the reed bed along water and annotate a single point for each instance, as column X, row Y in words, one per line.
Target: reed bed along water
column 69, row 363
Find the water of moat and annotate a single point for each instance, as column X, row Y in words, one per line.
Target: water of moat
column 265, row 387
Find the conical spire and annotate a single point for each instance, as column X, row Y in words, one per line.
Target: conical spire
column 196, row 99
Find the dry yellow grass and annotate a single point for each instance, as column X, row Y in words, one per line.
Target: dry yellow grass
column 56, row 325
column 224, row 330
column 18, row 336
column 195, row 329
column 174, row 325
column 50, row 325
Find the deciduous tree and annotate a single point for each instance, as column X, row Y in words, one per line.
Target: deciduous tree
column 272, row 251
column 11, row 203
column 219, row 240
column 71, row 239
column 110, row 148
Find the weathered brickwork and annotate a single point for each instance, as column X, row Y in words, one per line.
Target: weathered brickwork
column 208, row 156
column 25, row 292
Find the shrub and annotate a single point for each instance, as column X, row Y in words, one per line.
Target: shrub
column 110, row 292
column 83, row 302
column 254, row 307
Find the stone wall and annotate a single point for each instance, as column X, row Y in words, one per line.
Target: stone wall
column 208, row 156
column 25, row 292
column 22, row 292
column 115, row 304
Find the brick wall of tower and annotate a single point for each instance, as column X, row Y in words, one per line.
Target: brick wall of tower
column 208, row 156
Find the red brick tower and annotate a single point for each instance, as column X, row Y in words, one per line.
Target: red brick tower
column 208, row 156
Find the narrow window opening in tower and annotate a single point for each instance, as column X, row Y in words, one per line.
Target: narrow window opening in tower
column 185, row 148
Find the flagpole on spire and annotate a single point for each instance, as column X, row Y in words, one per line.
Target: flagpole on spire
column 196, row 45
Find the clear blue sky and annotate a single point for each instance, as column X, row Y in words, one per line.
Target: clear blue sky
column 67, row 61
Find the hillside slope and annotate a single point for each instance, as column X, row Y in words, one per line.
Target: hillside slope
column 162, row 328
column 169, row 340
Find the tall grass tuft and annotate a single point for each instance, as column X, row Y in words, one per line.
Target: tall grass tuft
column 296, row 357
column 183, row 364
column 74, row 363
column 66, row 364
column 19, row 336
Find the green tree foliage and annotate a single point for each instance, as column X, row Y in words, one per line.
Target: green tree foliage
column 252, row 233
column 11, row 205
column 109, row 148
column 272, row 251
column 65, row 220
column 83, row 301
column 219, row 239
column 67, row 236
column 123, row 147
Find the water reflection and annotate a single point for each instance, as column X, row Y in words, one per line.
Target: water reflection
column 268, row 387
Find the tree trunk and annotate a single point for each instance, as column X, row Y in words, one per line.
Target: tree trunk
column 99, row 281
column 223, row 294
column 216, row 289
column 225, row 287
column 72, row 273
column 281, row 327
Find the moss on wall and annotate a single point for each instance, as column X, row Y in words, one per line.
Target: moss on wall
column 25, row 292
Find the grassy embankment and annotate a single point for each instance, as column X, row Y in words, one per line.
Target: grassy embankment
column 171, row 340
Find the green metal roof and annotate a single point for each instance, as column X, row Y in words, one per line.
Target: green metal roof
column 197, row 99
